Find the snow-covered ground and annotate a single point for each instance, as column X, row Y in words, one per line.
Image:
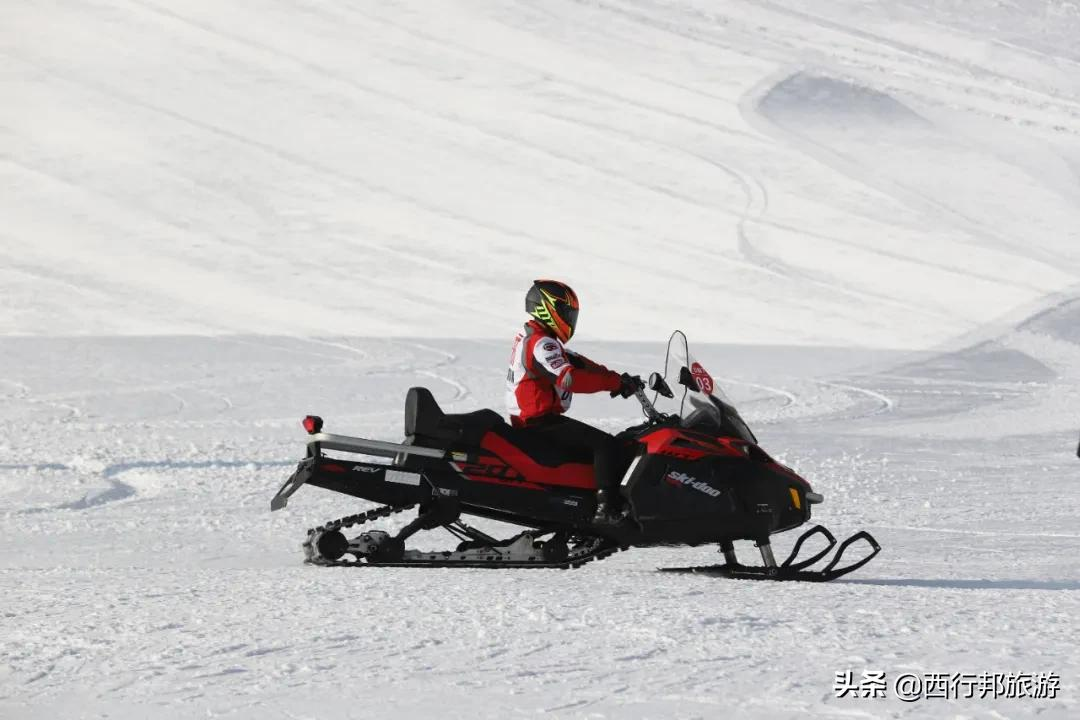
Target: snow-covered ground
column 217, row 217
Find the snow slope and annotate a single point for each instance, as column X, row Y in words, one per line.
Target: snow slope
column 288, row 167
column 216, row 217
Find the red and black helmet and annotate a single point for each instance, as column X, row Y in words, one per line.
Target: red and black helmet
column 555, row 305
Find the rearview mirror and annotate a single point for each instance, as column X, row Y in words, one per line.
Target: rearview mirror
column 687, row 378
column 657, row 384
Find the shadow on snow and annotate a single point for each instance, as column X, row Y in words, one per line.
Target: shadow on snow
column 969, row 584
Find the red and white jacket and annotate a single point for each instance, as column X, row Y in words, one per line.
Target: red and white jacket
column 544, row 376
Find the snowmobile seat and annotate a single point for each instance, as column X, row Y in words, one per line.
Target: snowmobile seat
column 540, row 450
column 424, row 419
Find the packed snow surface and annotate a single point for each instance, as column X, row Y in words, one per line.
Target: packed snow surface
column 218, row 217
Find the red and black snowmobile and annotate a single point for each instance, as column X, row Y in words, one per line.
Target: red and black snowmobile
column 694, row 476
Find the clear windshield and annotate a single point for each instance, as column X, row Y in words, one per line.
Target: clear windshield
column 699, row 400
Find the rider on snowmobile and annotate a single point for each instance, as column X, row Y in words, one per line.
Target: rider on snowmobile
column 544, row 375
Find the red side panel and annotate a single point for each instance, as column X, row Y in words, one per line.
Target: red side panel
column 690, row 445
column 575, row 475
column 497, row 475
column 685, row 445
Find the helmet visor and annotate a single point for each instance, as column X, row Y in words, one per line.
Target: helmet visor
column 568, row 314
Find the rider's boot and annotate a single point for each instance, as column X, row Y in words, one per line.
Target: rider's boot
column 605, row 511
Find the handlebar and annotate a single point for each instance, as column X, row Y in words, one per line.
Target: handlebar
column 650, row 410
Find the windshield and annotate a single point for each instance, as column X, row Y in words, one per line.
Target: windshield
column 699, row 401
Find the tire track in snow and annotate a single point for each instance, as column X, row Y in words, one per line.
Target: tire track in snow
column 22, row 390
column 406, row 102
column 884, row 403
column 119, row 490
column 757, row 204
column 650, row 47
column 90, row 283
column 548, row 75
column 756, row 258
column 460, row 391
column 24, row 394
column 932, row 209
column 166, row 389
column 280, row 154
column 754, row 212
column 835, row 409
column 410, row 105
column 790, row 398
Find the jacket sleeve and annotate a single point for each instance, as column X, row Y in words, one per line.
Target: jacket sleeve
column 570, row 371
column 580, row 361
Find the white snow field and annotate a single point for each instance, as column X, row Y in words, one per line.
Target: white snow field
column 218, row 217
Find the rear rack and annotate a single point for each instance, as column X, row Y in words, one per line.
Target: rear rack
column 381, row 448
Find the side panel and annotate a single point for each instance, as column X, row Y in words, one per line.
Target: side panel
column 520, row 464
column 498, row 486
column 694, row 496
column 694, row 501
column 490, row 485
column 369, row 481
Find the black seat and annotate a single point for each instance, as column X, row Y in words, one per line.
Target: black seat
column 425, row 419
column 541, row 450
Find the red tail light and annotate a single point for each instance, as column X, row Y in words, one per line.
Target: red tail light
column 313, row 424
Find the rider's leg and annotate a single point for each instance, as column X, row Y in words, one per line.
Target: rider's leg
column 569, row 432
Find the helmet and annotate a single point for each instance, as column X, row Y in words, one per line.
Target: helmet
column 555, row 305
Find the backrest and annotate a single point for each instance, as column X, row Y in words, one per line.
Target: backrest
column 422, row 414
column 424, row 418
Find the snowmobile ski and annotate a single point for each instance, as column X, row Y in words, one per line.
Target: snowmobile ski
column 790, row 569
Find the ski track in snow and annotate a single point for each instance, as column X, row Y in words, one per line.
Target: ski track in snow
column 828, row 189
column 885, row 404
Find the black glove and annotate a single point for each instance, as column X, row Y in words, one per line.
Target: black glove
column 628, row 385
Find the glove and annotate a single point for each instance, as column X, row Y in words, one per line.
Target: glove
column 628, row 385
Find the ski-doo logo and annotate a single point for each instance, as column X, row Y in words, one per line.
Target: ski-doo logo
column 679, row 479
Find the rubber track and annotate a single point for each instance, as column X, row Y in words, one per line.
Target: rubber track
column 597, row 550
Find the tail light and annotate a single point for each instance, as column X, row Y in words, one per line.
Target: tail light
column 313, row 424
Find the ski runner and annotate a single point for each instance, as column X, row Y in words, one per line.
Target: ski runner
column 544, row 376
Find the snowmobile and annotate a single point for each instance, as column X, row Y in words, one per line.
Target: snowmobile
column 695, row 475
